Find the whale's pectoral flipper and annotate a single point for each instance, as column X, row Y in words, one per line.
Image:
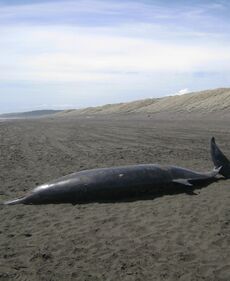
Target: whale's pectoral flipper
column 219, row 159
column 182, row 181
column 198, row 178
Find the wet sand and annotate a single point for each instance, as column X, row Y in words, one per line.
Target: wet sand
column 173, row 237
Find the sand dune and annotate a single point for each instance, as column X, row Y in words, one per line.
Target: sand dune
column 198, row 102
column 205, row 101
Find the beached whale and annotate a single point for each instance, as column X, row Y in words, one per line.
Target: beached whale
column 117, row 183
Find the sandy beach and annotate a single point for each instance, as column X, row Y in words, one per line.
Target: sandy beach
column 173, row 237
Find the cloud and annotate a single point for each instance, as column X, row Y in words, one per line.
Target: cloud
column 182, row 92
column 60, row 53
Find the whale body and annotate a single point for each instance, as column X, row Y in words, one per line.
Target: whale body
column 117, row 183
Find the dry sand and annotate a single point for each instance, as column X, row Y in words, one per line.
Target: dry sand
column 173, row 237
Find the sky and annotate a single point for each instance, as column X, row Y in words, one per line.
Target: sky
column 71, row 54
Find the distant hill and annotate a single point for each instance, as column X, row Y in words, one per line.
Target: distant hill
column 30, row 114
column 217, row 100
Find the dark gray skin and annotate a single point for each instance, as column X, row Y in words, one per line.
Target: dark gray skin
column 116, row 183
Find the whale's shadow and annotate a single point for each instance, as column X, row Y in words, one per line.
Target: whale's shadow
column 174, row 189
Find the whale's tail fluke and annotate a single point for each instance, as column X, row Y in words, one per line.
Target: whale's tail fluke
column 220, row 160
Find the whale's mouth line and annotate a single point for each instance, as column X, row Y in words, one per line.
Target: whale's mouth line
column 18, row 200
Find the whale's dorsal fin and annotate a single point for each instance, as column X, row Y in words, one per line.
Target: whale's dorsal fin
column 182, row 181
